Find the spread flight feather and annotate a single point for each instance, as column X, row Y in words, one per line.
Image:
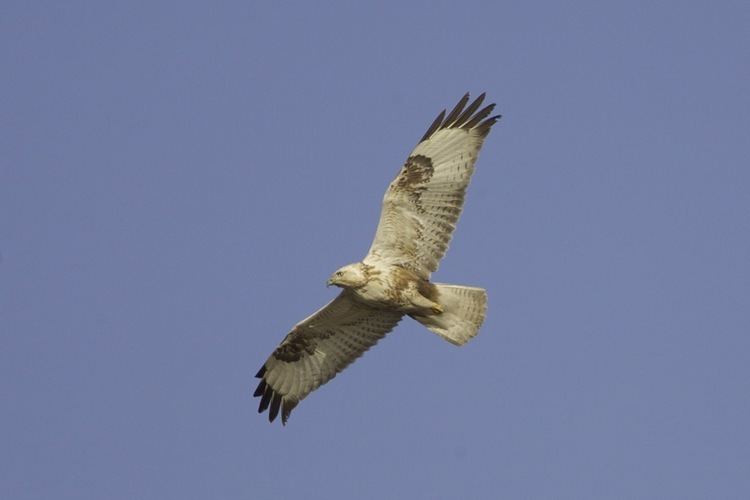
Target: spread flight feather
column 419, row 213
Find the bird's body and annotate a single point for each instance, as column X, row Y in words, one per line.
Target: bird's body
column 391, row 287
column 420, row 210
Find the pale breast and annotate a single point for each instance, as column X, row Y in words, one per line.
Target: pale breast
column 388, row 287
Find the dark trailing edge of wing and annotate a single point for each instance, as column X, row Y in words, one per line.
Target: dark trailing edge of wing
column 466, row 119
column 272, row 399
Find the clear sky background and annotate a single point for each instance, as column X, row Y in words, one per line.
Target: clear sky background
column 178, row 180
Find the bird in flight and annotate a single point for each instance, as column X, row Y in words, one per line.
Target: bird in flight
column 419, row 213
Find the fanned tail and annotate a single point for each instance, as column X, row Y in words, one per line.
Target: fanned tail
column 464, row 311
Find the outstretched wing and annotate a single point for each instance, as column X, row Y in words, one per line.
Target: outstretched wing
column 317, row 349
column 422, row 205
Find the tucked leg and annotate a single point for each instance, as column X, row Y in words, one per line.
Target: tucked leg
column 422, row 303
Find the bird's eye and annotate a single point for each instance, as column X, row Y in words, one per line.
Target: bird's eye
column 339, row 273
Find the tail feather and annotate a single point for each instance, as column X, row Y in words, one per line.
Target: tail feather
column 464, row 311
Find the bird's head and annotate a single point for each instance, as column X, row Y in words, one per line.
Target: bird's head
column 351, row 276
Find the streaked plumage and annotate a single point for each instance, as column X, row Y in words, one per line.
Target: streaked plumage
column 420, row 210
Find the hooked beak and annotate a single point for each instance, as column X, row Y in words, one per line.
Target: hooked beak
column 329, row 282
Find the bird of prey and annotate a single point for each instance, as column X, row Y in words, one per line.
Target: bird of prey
column 419, row 213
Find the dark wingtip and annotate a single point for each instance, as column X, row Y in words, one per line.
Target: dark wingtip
column 260, row 389
column 484, row 127
column 436, row 124
column 469, row 111
column 456, row 111
column 265, row 400
column 467, row 118
column 272, row 400
column 275, row 405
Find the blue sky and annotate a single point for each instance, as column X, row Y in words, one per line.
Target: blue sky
column 177, row 181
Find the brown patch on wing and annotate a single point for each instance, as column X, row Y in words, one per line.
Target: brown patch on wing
column 417, row 170
column 292, row 348
column 413, row 180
